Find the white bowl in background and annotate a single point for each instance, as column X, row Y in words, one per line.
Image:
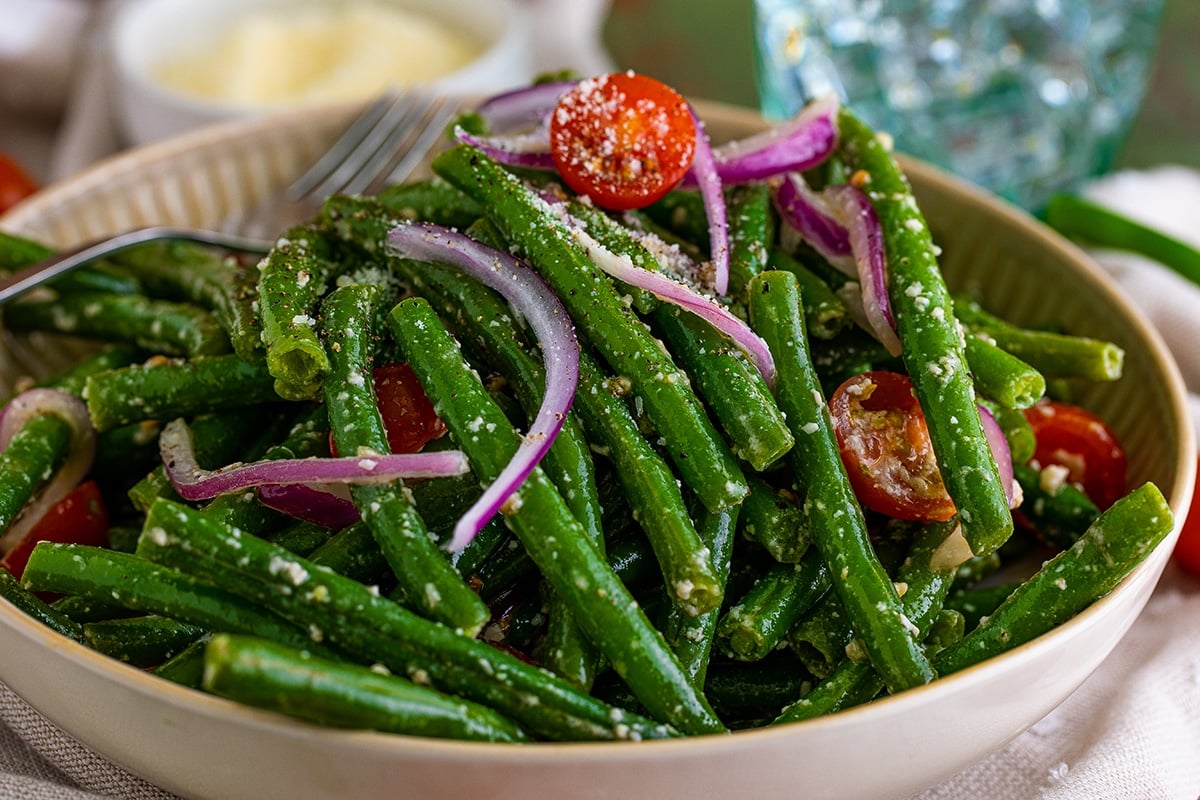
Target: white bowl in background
column 146, row 34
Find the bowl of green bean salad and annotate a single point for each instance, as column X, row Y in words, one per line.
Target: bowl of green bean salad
column 501, row 481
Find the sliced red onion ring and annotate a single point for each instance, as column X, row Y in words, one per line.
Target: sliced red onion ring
column 522, row 108
column 192, row 482
column 704, row 169
column 552, row 327
column 311, row 504
column 808, row 213
column 530, row 150
column 667, row 288
column 801, row 143
column 81, row 452
column 854, row 210
column 1001, row 452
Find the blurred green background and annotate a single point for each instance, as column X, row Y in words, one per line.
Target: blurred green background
column 705, row 49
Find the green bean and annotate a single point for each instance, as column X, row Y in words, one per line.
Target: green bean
column 926, row 577
column 74, row 379
column 751, row 219
column 1055, row 355
column 30, row 604
column 838, row 526
column 215, row 280
column 555, row 541
column 34, row 454
column 933, row 349
column 691, row 637
column 730, row 385
column 264, row 674
column 186, row 667
column 90, row 609
column 703, row 459
column 682, row 212
column 824, row 312
column 1017, row 432
column 651, row 491
column 819, row 639
column 137, row 584
column 292, row 279
column 160, row 326
column 618, row 239
column 428, row 582
column 162, row 389
column 1059, row 514
column 432, row 200
column 976, row 603
column 17, row 252
column 144, row 641
column 759, row 621
column 1001, row 376
column 377, row 630
column 1113, row 545
column 747, row 694
column 948, row 628
column 773, row 518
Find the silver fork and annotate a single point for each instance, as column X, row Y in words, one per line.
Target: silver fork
column 385, row 143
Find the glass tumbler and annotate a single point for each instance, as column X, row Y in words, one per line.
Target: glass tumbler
column 1023, row 97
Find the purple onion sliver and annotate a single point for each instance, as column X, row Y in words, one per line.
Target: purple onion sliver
column 1001, row 452
column 194, row 483
column 310, row 504
column 521, row 108
column 808, row 214
column 552, row 327
column 858, row 215
column 81, row 452
column 704, row 169
column 516, row 151
column 672, row 291
column 801, row 143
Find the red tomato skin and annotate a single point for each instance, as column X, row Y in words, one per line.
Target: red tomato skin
column 79, row 518
column 1073, row 437
column 884, row 443
column 1187, row 547
column 15, row 183
column 624, row 139
column 409, row 418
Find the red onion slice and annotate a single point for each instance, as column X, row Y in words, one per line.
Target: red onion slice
column 704, row 169
column 528, row 150
column 803, row 142
column 193, row 482
column 854, row 210
column 81, row 452
column 552, row 327
column 808, row 213
column 667, row 288
column 1002, row 453
column 522, row 108
column 311, row 504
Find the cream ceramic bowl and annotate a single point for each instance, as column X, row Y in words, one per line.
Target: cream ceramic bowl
column 146, row 33
column 205, row 747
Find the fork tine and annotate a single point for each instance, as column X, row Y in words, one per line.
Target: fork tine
column 413, row 156
column 346, row 144
column 395, row 138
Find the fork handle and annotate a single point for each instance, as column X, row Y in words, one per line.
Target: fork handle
column 21, row 281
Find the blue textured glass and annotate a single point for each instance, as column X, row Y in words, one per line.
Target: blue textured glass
column 1024, row 97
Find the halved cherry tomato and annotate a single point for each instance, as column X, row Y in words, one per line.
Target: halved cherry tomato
column 408, row 415
column 624, row 139
column 1077, row 439
column 15, row 183
column 79, row 518
column 885, row 445
column 1187, row 548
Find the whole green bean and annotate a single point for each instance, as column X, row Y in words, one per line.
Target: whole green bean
column 933, row 348
column 700, row 454
column 33, row 455
column 567, row 558
column 159, row 326
column 375, row 629
column 1001, row 376
column 838, row 527
column 261, row 673
column 1113, row 545
column 429, row 584
column 162, row 389
column 758, row 622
